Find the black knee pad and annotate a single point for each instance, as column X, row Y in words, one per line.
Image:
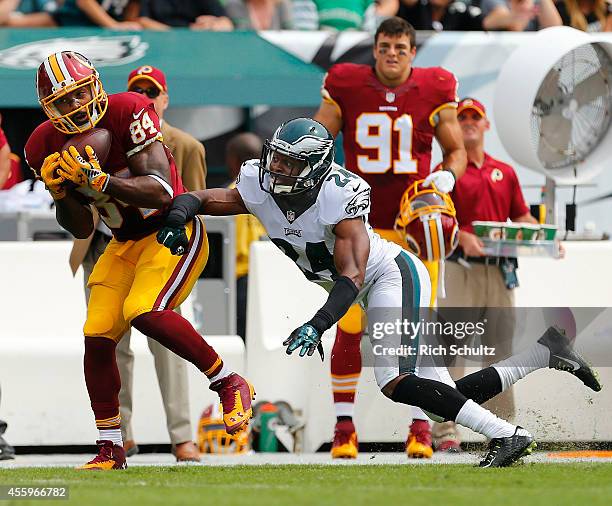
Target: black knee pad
column 432, row 396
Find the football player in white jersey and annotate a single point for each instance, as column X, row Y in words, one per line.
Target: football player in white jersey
column 316, row 213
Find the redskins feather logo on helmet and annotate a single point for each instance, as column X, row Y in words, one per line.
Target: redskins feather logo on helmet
column 62, row 73
column 212, row 437
column 427, row 222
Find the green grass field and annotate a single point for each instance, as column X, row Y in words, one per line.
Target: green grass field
column 454, row 485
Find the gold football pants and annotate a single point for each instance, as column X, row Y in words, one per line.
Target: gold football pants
column 135, row 277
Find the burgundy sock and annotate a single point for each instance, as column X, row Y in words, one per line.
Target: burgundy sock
column 178, row 335
column 345, row 367
column 103, row 381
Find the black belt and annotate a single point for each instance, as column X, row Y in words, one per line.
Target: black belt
column 487, row 260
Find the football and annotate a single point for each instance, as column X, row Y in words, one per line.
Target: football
column 98, row 138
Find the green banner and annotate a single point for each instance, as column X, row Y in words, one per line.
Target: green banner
column 202, row 68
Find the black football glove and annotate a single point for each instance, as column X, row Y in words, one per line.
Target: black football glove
column 174, row 238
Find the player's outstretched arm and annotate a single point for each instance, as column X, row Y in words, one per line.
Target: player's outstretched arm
column 215, row 202
column 351, row 251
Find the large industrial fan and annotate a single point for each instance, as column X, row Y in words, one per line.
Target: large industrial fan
column 553, row 104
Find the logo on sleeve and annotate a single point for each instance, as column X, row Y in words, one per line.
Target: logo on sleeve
column 359, row 203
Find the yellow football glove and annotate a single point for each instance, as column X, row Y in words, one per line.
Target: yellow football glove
column 81, row 172
column 53, row 181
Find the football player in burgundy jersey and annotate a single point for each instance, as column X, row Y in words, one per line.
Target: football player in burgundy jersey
column 136, row 281
column 388, row 115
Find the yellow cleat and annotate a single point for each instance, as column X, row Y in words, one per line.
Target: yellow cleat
column 418, row 445
column 345, row 445
column 110, row 456
column 416, row 450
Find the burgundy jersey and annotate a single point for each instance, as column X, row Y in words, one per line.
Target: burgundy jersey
column 388, row 131
column 133, row 123
column 488, row 193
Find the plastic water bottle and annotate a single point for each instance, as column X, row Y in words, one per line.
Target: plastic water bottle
column 267, row 438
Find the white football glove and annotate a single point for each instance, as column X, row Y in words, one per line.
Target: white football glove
column 443, row 179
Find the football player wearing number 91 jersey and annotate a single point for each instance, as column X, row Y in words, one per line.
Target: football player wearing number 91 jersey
column 135, row 281
column 388, row 115
column 316, row 213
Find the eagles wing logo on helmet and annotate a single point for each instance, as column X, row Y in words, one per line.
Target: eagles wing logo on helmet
column 302, row 139
column 359, row 202
column 312, row 145
column 102, row 51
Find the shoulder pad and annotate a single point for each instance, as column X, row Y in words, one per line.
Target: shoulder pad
column 344, row 195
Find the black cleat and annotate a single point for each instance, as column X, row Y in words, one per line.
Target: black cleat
column 564, row 358
column 505, row 451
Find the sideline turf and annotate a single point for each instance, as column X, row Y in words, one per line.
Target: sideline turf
column 454, row 485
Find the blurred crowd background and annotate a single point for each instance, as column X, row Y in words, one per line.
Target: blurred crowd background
column 227, row 15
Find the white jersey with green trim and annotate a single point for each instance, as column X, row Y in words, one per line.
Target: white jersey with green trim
column 305, row 233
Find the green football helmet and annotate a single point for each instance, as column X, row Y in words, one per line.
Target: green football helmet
column 297, row 157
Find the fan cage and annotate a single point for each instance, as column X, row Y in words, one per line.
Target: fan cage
column 590, row 122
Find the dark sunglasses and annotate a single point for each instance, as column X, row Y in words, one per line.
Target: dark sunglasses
column 152, row 92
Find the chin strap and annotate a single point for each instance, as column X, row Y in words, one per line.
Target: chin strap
column 441, row 283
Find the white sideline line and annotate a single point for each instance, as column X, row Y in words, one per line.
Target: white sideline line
column 153, row 459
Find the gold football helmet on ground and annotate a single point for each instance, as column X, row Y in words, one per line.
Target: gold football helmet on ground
column 212, row 437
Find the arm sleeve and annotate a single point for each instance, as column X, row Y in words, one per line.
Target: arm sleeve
column 183, row 209
column 341, row 297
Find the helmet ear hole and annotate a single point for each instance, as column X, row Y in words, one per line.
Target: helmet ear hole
column 454, row 241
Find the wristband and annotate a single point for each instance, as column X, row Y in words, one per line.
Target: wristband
column 183, row 209
column 340, row 299
column 448, row 169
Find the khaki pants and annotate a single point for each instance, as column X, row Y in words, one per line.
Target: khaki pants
column 171, row 371
column 482, row 289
